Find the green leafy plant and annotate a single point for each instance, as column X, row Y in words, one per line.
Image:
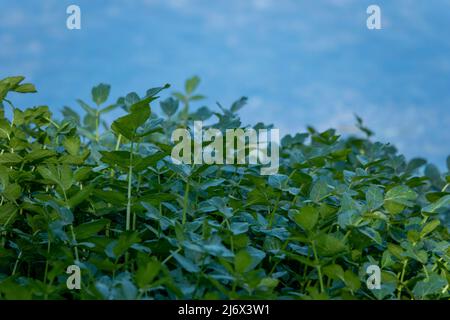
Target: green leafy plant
column 109, row 199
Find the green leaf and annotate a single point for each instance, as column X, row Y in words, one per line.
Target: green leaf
column 169, row 106
column 49, row 173
column 10, row 158
column 66, row 176
column 393, row 208
column 334, row 271
column 70, row 114
column 319, row 190
column 7, row 214
column 25, row 88
column 431, row 286
column 386, row 260
column 119, row 158
column 89, row 229
column 415, row 253
column 118, row 247
column 371, row 234
column 257, row 256
column 12, row 192
column 13, row 84
column 374, row 198
column 154, row 91
column 218, row 250
column 100, row 93
column 239, row 227
column 38, row 155
column 90, row 111
column 351, row 280
column 237, row 105
column 148, row 162
column 429, row 227
column 329, row 245
column 61, row 175
column 128, row 125
column 443, row 202
column 72, row 145
column 5, row 127
column 395, row 250
column 186, row 263
column 64, row 213
column 242, row 261
column 432, row 172
column 306, row 217
column 191, row 84
column 278, row 181
column 401, row 195
column 416, row 163
column 146, row 273
column 179, row 96
column 197, row 97
column 109, row 108
column 15, row 291
column 349, row 218
column 202, row 113
column 80, row 196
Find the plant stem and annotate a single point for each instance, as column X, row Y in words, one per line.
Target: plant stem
column 119, row 138
column 77, row 257
column 171, row 255
column 185, row 202
column 272, row 214
column 130, row 175
column 231, row 237
column 400, row 287
column 97, row 125
column 319, row 271
column 16, row 264
column 46, row 262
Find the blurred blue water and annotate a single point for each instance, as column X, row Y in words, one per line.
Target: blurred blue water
column 300, row 62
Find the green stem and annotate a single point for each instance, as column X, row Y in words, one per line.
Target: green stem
column 319, row 271
column 185, row 202
column 130, row 175
column 231, row 237
column 171, row 255
column 276, row 263
column 53, row 123
column 426, row 272
column 272, row 214
column 77, row 257
column 137, row 192
column 16, row 264
column 185, row 112
column 119, row 138
column 346, row 235
column 46, row 262
column 402, row 276
column 97, row 125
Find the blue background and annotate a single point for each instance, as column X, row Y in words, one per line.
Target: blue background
column 299, row 62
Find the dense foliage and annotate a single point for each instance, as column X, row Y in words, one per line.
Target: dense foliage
column 109, row 199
